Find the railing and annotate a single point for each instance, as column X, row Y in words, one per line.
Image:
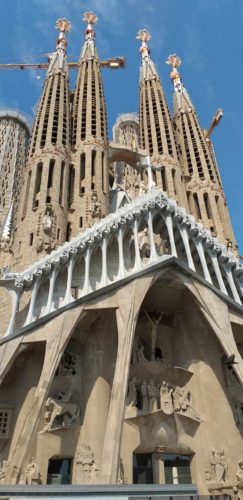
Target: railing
column 144, row 233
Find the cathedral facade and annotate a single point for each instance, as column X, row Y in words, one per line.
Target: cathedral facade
column 121, row 349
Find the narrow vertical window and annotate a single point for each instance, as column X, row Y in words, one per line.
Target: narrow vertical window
column 38, row 178
column 71, row 185
column 50, row 173
column 82, row 174
column 173, row 179
column 26, row 194
column 61, row 184
column 197, row 206
column 207, row 205
column 103, row 172
column 69, row 231
column 163, row 179
column 31, row 239
column 93, row 158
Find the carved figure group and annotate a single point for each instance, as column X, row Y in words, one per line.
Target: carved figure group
column 219, row 466
column 61, row 411
column 31, row 474
column 239, row 473
column 149, row 397
column 4, row 465
column 86, row 471
column 138, row 351
column 69, row 364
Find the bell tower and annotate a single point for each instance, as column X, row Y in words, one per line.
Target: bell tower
column 42, row 214
column 89, row 196
column 205, row 195
column 156, row 130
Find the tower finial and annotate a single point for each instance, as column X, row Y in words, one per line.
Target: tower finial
column 62, row 25
column 144, row 35
column 174, row 61
column 182, row 101
column 91, row 19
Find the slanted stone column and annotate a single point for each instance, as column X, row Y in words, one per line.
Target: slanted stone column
column 129, row 299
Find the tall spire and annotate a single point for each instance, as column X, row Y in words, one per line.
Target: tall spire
column 156, row 130
column 90, row 196
column 42, row 215
column 205, row 196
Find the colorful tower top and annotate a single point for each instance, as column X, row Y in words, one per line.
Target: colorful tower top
column 148, row 69
column 182, row 101
column 58, row 58
column 64, row 26
column 89, row 47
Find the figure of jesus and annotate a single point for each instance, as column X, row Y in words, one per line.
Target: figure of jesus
column 154, row 324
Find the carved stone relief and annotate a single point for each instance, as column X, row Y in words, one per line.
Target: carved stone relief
column 235, row 391
column 31, row 475
column 61, row 411
column 149, row 397
column 239, row 473
column 86, row 469
column 46, row 231
column 4, row 465
column 69, row 364
column 218, row 467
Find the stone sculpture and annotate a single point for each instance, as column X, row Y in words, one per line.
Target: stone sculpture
column 86, row 472
column 61, row 411
column 239, row 473
column 4, row 465
column 32, row 472
column 152, row 396
column 132, row 397
column 166, row 402
column 138, row 351
column 219, row 466
column 182, row 401
column 69, row 364
column 145, row 397
column 154, row 320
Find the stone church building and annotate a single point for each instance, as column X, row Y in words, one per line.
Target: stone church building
column 121, row 293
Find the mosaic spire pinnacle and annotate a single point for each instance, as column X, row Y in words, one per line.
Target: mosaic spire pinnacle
column 91, row 19
column 63, row 26
column 148, row 70
column 182, row 100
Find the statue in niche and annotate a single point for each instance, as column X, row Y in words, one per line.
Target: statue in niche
column 69, row 364
column 219, row 466
column 87, row 472
column 95, row 209
column 132, row 397
column 182, row 401
column 4, row 465
column 143, row 188
column 166, row 401
column 154, row 320
column 139, row 351
column 239, row 473
column 144, row 243
column 152, row 396
column 161, row 245
column 61, row 411
column 145, row 396
column 44, row 231
column 32, row 473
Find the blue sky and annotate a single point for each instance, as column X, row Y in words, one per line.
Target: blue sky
column 206, row 34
